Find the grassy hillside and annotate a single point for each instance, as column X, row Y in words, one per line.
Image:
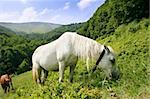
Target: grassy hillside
column 31, row 27
column 131, row 43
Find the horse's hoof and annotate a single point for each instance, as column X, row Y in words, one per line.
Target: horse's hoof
column 60, row 81
column 71, row 81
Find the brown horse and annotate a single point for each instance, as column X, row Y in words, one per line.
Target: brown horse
column 5, row 81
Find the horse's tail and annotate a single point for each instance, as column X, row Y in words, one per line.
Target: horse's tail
column 34, row 74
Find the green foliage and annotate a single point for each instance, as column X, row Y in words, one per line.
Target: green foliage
column 5, row 31
column 24, row 66
column 54, row 34
column 15, row 49
column 132, row 47
column 112, row 14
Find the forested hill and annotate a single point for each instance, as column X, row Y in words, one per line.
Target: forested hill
column 6, row 31
column 112, row 14
column 15, row 51
column 54, row 34
column 30, row 27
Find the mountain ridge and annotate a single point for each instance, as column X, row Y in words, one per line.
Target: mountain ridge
column 30, row 27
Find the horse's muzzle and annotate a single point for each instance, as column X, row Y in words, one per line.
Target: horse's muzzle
column 115, row 75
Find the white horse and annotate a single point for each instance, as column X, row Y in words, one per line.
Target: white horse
column 65, row 51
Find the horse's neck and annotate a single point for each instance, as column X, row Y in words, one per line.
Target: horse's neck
column 87, row 48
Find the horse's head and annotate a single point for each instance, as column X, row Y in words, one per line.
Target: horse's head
column 108, row 63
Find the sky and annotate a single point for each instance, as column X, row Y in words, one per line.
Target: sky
column 52, row 11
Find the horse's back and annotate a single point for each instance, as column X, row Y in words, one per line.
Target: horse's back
column 51, row 48
column 45, row 55
column 48, row 55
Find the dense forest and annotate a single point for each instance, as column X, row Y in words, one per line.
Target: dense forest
column 15, row 52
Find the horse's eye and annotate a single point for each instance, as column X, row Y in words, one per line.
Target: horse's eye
column 112, row 60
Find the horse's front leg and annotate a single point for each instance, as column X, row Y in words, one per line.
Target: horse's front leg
column 8, row 88
column 11, row 85
column 5, row 89
column 87, row 64
column 61, row 71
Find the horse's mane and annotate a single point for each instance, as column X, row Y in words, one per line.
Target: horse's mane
column 85, row 47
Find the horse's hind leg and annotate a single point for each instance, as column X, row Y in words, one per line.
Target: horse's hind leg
column 4, row 87
column 44, row 75
column 38, row 74
column 36, row 70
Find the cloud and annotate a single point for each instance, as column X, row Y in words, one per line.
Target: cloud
column 32, row 14
column 84, row 3
column 67, row 6
column 44, row 11
column 8, row 16
column 24, row 1
column 55, row 17
column 29, row 14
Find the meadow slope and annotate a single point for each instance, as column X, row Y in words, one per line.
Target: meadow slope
column 131, row 43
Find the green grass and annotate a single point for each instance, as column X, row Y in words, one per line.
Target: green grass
column 131, row 43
